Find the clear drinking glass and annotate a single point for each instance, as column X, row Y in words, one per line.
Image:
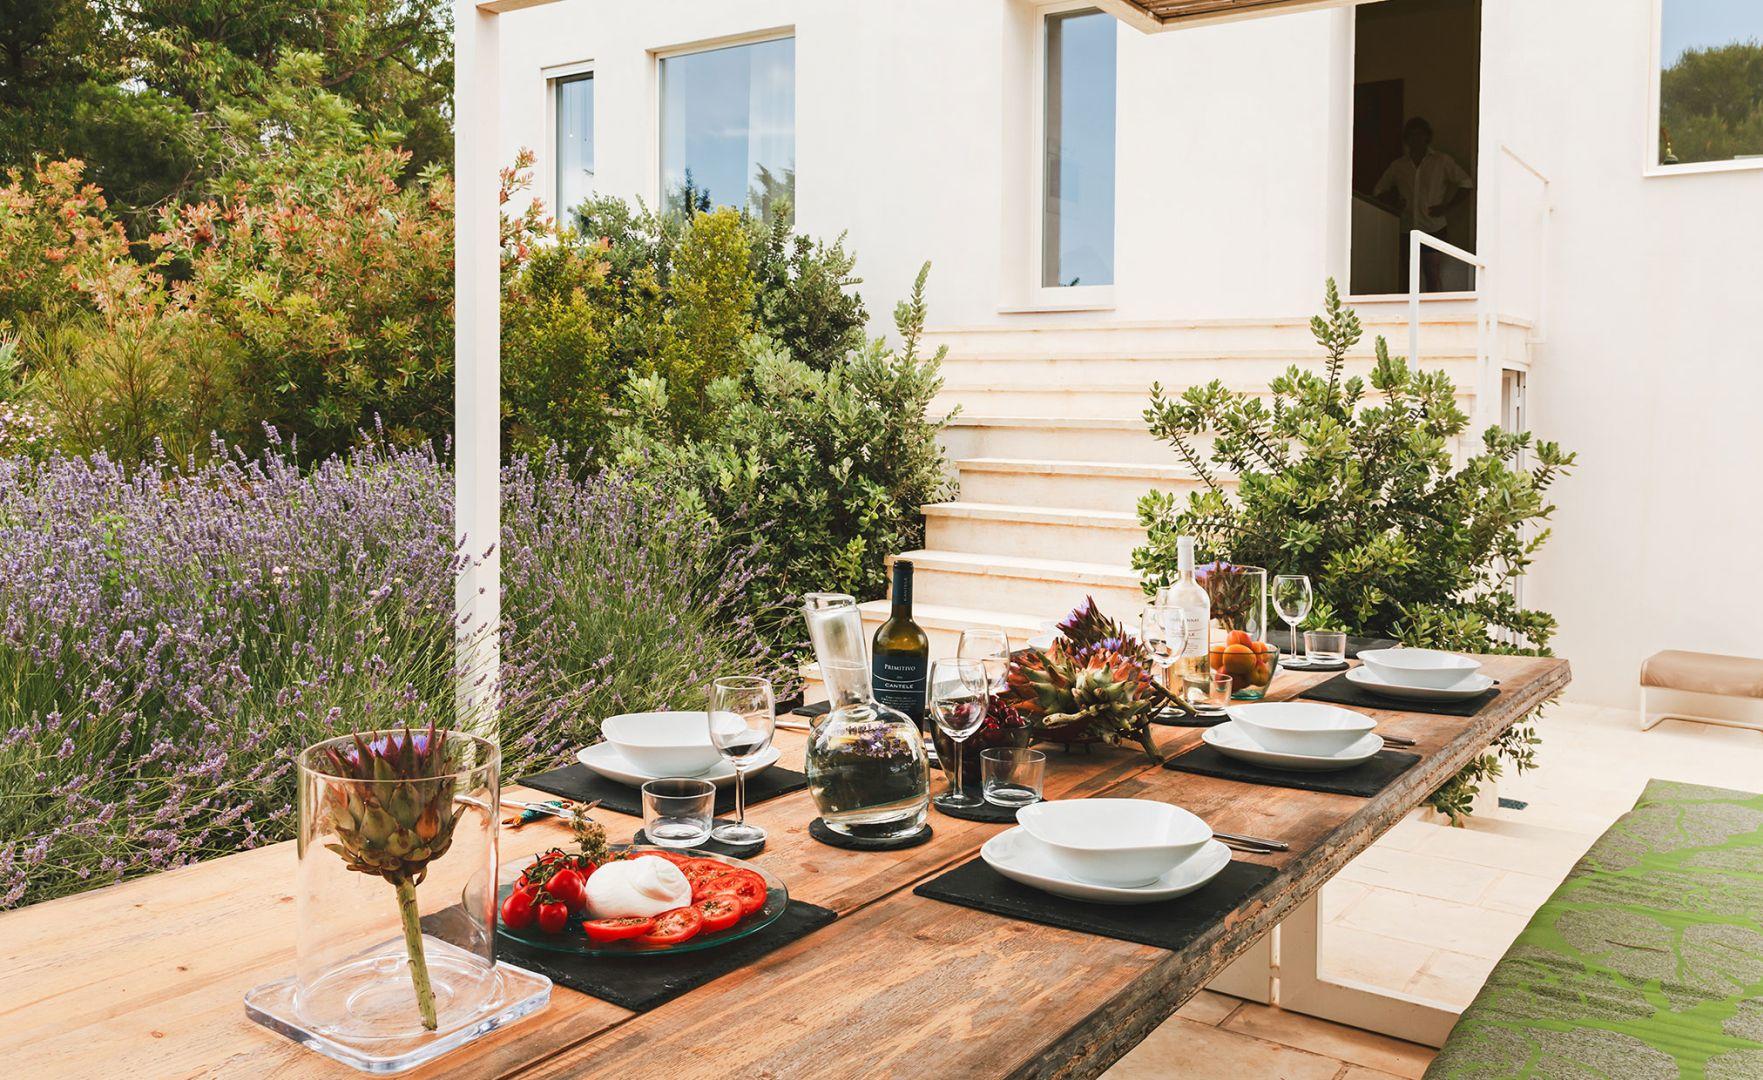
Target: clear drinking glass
column 1291, row 598
column 979, row 644
column 677, row 812
column 743, row 715
column 958, row 691
column 1222, row 686
column 1012, row 775
column 1325, row 646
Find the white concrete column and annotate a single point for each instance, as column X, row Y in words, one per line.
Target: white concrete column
column 477, row 355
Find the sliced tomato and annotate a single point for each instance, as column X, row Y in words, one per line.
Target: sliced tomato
column 702, row 868
column 601, row 931
column 745, row 884
column 720, row 911
column 674, row 926
column 705, row 884
column 673, row 857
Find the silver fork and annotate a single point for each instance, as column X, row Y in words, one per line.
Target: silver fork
column 1250, row 843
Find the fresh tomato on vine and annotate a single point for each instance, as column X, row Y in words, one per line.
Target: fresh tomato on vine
column 552, row 913
column 517, row 910
column 570, row 886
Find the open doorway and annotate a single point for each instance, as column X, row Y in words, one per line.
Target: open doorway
column 1416, row 121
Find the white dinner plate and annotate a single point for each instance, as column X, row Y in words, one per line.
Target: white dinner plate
column 1231, row 741
column 1022, row 858
column 604, row 758
column 1471, row 686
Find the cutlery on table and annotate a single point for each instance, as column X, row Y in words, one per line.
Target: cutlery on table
column 1396, row 740
column 1250, row 843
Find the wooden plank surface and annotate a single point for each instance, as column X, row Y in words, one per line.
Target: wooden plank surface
column 151, row 973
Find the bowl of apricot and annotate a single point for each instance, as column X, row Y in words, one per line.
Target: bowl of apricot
column 1249, row 663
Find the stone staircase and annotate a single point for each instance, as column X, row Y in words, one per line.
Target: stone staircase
column 1052, row 454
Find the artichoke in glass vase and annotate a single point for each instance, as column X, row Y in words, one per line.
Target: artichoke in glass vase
column 393, row 810
column 1096, row 693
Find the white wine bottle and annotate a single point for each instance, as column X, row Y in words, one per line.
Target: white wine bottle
column 1193, row 604
column 900, row 655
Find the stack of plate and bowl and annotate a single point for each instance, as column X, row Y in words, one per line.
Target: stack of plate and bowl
column 641, row 747
column 1419, row 675
column 1108, row 851
column 1297, row 735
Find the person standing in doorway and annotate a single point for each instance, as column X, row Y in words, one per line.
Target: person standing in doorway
column 1427, row 185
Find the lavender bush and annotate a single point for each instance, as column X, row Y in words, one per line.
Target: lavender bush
column 170, row 635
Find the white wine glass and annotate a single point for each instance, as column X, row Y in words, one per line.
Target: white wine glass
column 958, row 692
column 1164, row 636
column 743, row 716
column 1292, row 598
column 992, row 649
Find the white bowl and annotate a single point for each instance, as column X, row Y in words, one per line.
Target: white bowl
column 663, row 743
column 1299, row 727
column 1120, row 842
column 1430, row 668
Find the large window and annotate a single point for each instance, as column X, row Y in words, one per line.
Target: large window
column 1077, row 215
column 575, row 141
column 1710, row 88
column 728, row 128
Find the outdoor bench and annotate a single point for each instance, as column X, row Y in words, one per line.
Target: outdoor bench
column 1646, row 962
column 1710, row 674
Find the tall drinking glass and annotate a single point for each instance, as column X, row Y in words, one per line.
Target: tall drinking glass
column 1291, row 598
column 958, row 693
column 743, row 715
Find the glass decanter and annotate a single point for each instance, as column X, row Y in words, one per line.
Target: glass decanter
column 866, row 763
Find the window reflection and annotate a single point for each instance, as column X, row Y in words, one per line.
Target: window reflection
column 575, row 142
column 728, row 128
column 1710, row 80
column 1077, row 220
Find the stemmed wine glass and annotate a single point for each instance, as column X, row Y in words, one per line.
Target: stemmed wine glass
column 743, row 715
column 992, row 649
column 1164, row 635
column 958, row 693
column 1291, row 598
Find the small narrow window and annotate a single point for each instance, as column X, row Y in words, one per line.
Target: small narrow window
column 1710, row 81
column 728, row 128
column 1077, row 216
column 575, row 142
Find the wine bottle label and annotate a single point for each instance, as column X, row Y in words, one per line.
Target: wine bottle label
column 899, row 683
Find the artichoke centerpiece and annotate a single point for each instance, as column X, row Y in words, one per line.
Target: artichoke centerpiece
column 1092, row 685
column 393, row 812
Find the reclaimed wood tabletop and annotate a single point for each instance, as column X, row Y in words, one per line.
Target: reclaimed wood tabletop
column 149, row 976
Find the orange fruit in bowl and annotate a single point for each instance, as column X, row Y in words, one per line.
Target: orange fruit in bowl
column 1260, row 646
column 1238, row 637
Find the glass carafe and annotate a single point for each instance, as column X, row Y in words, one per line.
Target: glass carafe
column 866, row 764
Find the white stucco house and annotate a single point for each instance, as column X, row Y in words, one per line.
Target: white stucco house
column 1109, row 201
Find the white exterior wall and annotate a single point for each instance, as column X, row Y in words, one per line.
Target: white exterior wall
column 915, row 135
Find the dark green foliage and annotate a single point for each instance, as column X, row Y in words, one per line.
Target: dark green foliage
column 1360, row 491
column 1711, row 103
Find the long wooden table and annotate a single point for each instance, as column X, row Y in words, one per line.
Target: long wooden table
column 147, row 977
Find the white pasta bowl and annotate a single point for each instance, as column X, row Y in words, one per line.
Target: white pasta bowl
column 1119, row 842
column 1300, row 727
column 663, row 743
column 1430, row 668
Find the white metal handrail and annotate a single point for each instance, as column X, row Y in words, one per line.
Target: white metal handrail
column 1483, row 297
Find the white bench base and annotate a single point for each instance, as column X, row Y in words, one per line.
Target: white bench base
column 1651, row 718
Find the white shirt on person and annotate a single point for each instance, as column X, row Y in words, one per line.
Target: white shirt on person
column 1435, row 179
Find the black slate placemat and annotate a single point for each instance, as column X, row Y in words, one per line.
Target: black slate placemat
column 985, row 811
column 817, row 830
column 713, row 845
column 1177, row 718
column 819, row 708
column 1340, row 691
column 640, row 983
column 1365, row 779
column 1167, row 924
column 576, row 781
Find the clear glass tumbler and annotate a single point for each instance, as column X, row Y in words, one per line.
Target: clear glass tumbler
column 1012, row 775
column 677, row 813
column 1325, row 646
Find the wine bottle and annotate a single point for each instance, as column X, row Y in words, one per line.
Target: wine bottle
column 1193, row 604
column 900, row 654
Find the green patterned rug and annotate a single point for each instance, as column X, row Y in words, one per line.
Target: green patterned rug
column 1646, row 962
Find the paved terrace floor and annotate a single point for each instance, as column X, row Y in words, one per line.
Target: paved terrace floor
column 1429, row 909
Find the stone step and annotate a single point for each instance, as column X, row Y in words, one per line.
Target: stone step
column 1032, row 531
column 1018, row 394
column 1244, row 372
column 1083, row 485
column 1049, row 588
column 1060, row 438
column 943, row 624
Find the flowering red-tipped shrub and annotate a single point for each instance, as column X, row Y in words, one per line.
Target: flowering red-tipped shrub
column 171, row 635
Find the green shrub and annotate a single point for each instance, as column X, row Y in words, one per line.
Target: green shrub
column 821, row 471
column 1364, row 497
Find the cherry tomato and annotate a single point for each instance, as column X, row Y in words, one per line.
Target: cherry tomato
column 720, row 911
column 553, row 915
column 517, row 910
column 674, row 926
column 747, row 885
column 569, row 886
column 601, row 931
